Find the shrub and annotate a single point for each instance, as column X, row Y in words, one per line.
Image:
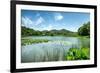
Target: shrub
column 78, row 54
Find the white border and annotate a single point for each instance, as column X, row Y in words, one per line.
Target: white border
column 20, row 65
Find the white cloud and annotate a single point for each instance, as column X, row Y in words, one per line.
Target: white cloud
column 49, row 27
column 26, row 21
column 58, row 16
column 39, row 21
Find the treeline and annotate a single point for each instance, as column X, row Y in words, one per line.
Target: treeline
column 82, row 31
column 31, row 32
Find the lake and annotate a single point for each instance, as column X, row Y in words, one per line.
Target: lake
column 53, row 50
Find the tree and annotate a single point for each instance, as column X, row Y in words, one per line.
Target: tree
column 84, row 30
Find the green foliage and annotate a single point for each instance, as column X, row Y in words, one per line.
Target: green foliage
column 84, row 30
column 28, row 31
column 31, row 32
column 78, row 54
column 31, row 41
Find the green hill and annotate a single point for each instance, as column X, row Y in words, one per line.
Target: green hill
column 31, row 32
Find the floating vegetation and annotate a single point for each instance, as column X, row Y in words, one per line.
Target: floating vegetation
column 32, row 41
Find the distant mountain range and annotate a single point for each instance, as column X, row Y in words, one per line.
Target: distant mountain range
column 31, row 32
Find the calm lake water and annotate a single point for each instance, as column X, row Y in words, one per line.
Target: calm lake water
column 54, row 50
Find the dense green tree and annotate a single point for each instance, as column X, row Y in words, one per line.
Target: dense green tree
column 84, row 30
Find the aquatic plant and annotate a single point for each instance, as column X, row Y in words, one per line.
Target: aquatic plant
column 78, row 54
column 31, row 41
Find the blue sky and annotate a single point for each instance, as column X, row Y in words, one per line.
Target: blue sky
column 48, row 20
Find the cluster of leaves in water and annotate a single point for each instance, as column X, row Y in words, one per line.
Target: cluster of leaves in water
column 78, row 54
